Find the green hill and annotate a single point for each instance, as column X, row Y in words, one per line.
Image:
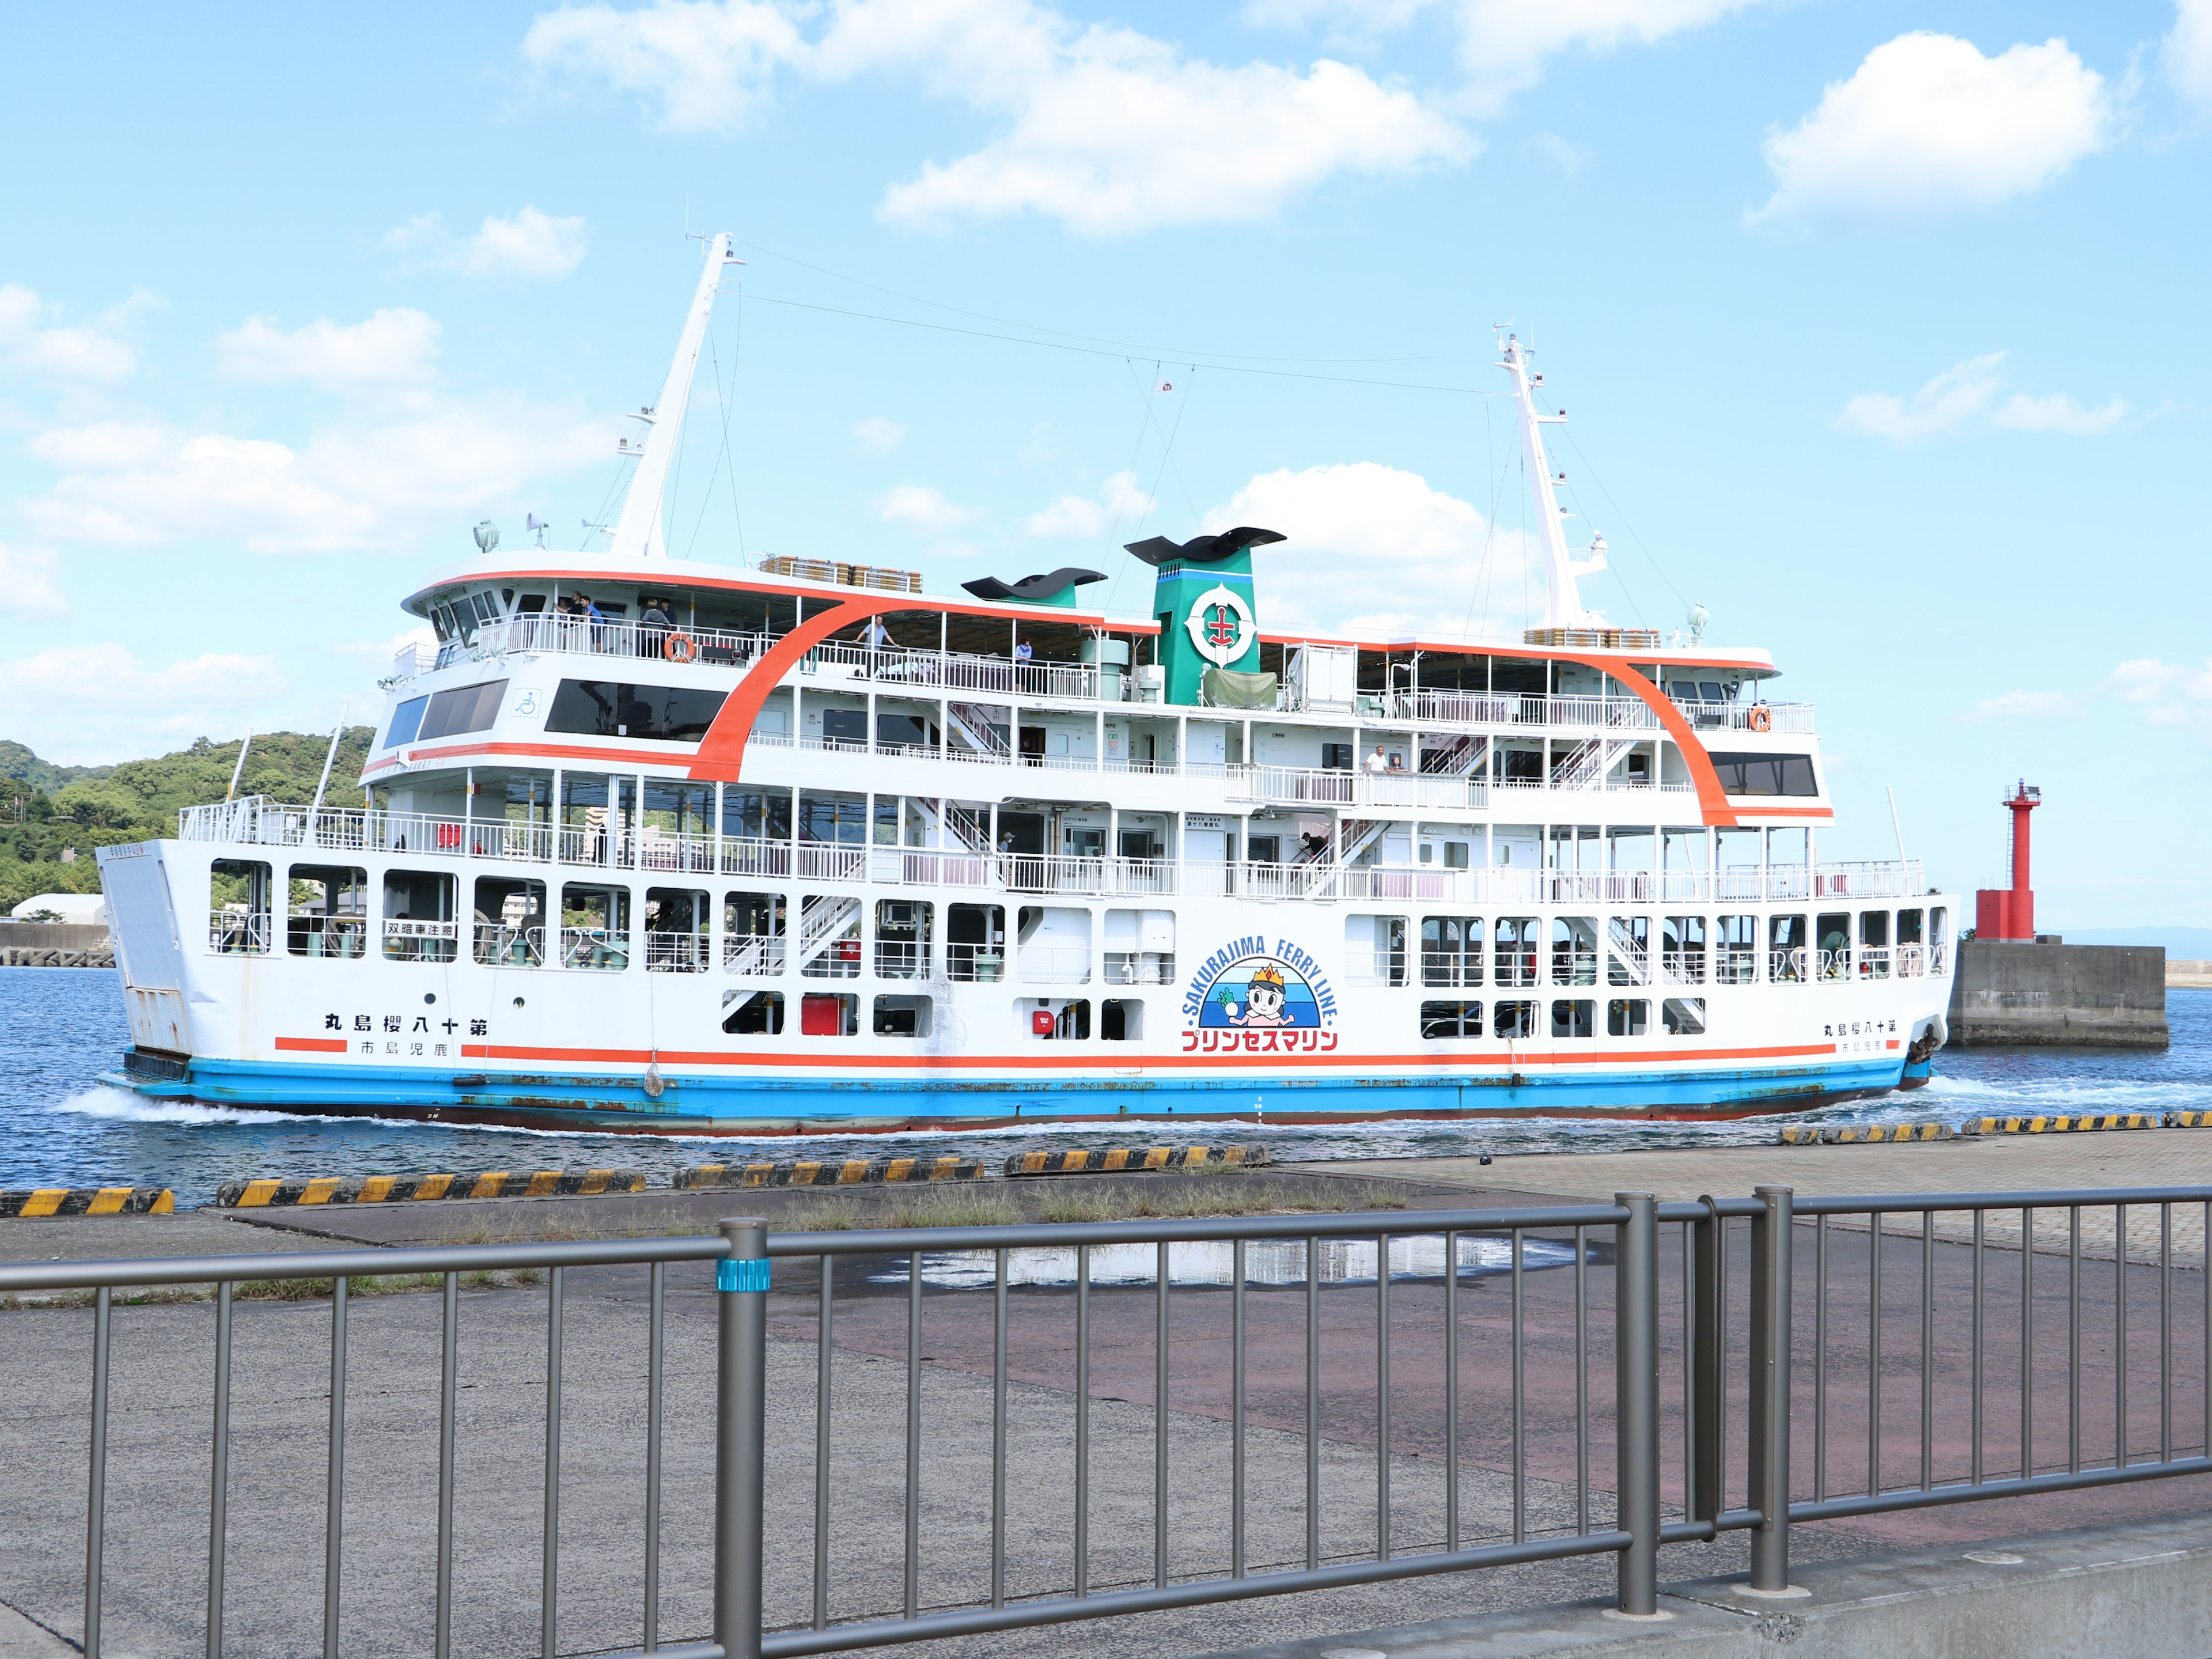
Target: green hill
column 71, row 809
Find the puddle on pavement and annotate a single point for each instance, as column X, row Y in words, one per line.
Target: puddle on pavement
column 1267, row 1262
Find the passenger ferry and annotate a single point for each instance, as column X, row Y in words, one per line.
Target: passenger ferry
column 806, row 849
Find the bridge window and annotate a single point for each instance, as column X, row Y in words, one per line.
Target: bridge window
column 608, row 709
column 1766, row 774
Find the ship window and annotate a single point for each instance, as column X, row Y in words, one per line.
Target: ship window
column 676, row 930
column 1455, row 855
column 1626, row 1017
column 1444, row 1021
column 753, row 1013
column 595, row 928
column 905, row 731
column 1375, row 949
column 1834, row 933
column 464, row 708
column 1054, row 1019
column 1736, row 950
column 823, row 817
column 1766, row 774
column 1263, row 849
column 1514, row 952
column 1574, row 1017
column 1451, row 952
column 656, row 714
column 829, row 931
column 329, row 911
column 902, row 938
column 1785, row 949
column 1336, row 756
column 975, row 942
column 1685, row 1016
column 239, row 891
column 1629, row 962
column 758, row 813
column 1574, row 951
column 902, row 1017
column 752, row 933
column 1121, row 1019
column 1682, row 949
column 406, row 721
column 533, row 604
column 418, row 916
column 829, row 1013
column 1515, row 1021
column 845, row 726
column 510, row 922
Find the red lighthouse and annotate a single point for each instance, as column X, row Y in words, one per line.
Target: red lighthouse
column 2010, row 912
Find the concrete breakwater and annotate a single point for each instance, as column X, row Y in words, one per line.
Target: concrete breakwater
column 2015, row 993
column 55, row 944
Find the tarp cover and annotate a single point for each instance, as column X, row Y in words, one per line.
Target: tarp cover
column 1224, row 688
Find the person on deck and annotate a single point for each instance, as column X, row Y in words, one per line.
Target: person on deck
column 1379, row 761
column 653, row 635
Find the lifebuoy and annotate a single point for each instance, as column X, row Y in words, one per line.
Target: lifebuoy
column 680, row 647
column 1761, row 719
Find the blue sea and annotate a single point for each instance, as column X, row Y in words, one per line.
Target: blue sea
column 60, row 1127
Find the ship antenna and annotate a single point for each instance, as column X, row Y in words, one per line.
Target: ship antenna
column 1563, row 606
column 638, row 533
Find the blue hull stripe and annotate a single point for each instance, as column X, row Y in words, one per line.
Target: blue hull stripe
column 694, row 1104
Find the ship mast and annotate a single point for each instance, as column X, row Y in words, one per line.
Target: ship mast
column 1563, row 606
column 638, row 534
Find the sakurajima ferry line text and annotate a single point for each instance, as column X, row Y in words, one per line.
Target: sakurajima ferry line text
column 665, row 846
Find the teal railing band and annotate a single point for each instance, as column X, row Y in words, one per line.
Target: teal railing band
column 742, row 1275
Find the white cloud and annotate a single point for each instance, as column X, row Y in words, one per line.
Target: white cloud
column 2024, row 706
column 1119, row 502
column 1108, row 131
column 381, row 652
column 920, row 507
column 1376, row 550
column 2170, row 694
column 1927, row 123
column 393, row 348
column 532, row 245
column 1965, row 396
column 381, row 485
column 28, row 587
column 2188, row 50
column 93, row 702
column 1503, row 43
column 31, row 344
column 876, row 435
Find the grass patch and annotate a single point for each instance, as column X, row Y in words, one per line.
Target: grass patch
column 942, row 1208
column 1200, row 1195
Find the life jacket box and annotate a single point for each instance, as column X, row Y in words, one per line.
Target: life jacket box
column 821, row 1016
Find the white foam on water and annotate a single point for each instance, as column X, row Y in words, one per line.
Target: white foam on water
column 120, row 1105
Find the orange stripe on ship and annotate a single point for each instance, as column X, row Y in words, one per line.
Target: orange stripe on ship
column 314, row 1045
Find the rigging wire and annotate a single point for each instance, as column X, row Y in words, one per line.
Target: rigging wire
column 1095, row 351
column 1642, row 546
column 1039, row 328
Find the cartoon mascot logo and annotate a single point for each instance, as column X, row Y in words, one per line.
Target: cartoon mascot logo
column 1259, row 995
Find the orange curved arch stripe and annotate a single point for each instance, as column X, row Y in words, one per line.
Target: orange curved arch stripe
column 1712, row 800
column 722, row 752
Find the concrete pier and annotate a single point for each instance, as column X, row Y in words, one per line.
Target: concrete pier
column 54, row 944
column 2007, row 994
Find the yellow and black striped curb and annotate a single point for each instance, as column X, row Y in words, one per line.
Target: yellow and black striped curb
column 393, row 1189
column 88, row 1200
column 2064, row 1125
column 1078, row 1161
column 841, row 1172
column 2188, row 1119
column 1863, row 1135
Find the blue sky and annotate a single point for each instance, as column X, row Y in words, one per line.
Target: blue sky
column 1881, row 327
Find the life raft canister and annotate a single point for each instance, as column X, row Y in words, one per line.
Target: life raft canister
column 680, row 647
column 1761, row 719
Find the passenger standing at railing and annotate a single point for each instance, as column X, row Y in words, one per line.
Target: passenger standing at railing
column 595, row 621
column 1379, row 761
column 652, row 635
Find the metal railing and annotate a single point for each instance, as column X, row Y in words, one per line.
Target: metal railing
column 1760, row 1346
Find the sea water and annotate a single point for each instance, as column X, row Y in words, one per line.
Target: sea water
column 60, row 1127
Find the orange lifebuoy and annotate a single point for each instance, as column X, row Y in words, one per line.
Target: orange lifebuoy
column 680, row 647
column 1761, row 719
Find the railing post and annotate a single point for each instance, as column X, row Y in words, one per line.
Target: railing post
column 1636, row 1339
column 1708, row 1460
column 741, row 1432
column 1770, row 1387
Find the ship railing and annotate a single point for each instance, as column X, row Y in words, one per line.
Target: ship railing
column 903, row 958
column 682, row 852
column 1332, row 787
column 675, row 953
column 239, row 932
column 1371, row 968
column 1873, row 878
column 1911, row 962
column 1875, row 962
column 500, row 944
column 1833, row 964
column 604, row 949
column 574, row 635
column 973, row 963
column 829, row 860
column 1140, row 967
column 327, row 936
column 1787, row 966
column 758, row 955
column 1414, row 883
column 1682, row 967
column 954, row 670
column 1735, row 965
